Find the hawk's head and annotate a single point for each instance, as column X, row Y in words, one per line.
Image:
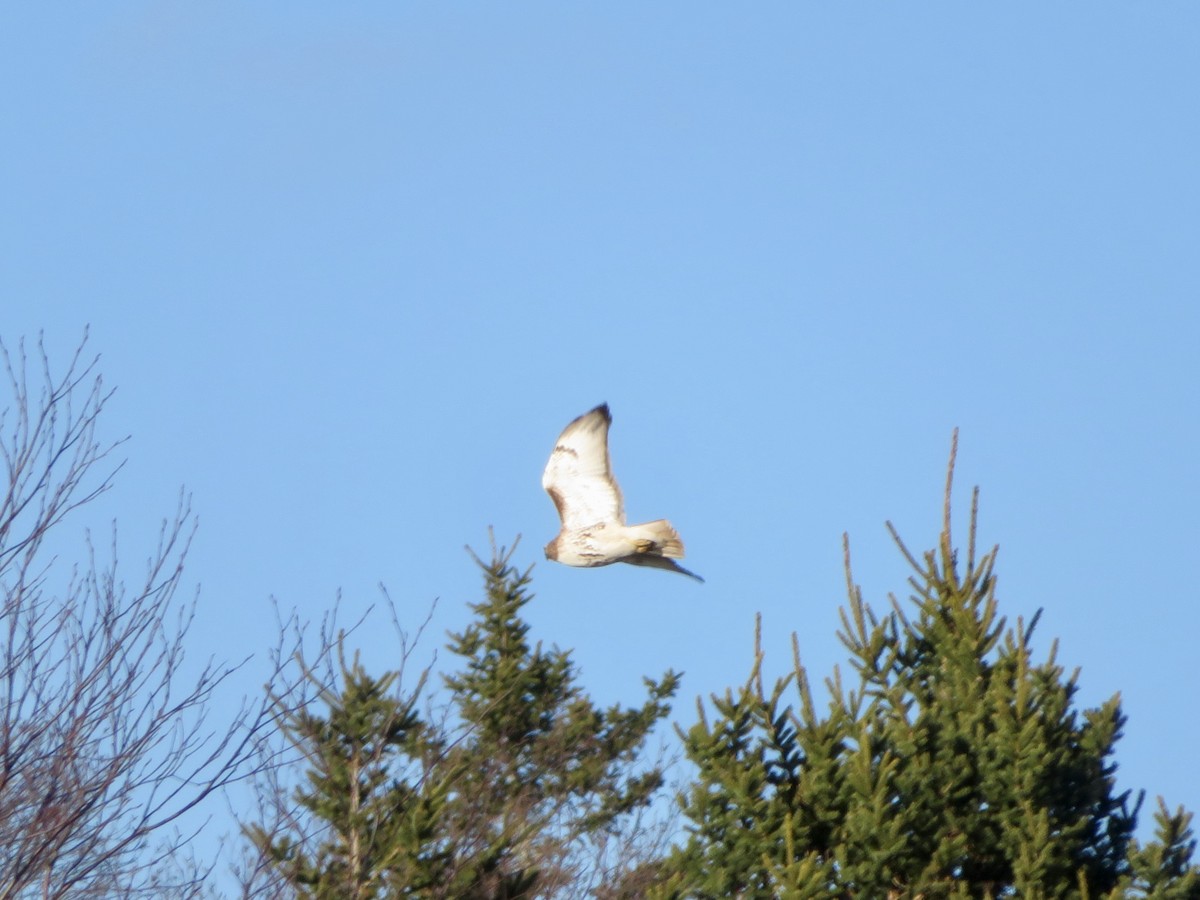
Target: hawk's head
column 552, row 549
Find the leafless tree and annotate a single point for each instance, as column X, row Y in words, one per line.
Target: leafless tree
column 106, row 743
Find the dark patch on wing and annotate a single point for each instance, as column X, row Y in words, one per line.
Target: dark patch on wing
column 559, row 503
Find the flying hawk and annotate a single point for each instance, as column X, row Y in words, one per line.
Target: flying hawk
column 579, row 480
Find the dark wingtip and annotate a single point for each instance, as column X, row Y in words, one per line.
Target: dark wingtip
column 602, row 409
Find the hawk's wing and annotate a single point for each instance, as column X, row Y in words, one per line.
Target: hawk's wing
column 578, row 477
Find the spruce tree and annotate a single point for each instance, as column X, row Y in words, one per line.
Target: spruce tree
column 362, row 823
column 953, row 765
column 522, row 788
column 546, row 782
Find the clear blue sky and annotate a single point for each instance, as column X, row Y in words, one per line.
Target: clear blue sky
column 353, row 267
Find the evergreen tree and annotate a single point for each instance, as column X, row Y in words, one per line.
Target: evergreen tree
column 1162, row 870
column 955, row 766
column 378, row 827
column 525, row 790
column 543, row 772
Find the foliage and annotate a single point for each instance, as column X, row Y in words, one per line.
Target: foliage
column 955, row 766
column 378, row 826
column 526, row 790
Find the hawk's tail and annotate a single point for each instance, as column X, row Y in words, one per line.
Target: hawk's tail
column 664, row 539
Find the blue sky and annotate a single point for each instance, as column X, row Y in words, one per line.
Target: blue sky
column 352, row 269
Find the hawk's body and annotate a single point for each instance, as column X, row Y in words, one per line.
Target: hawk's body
column 579, row 480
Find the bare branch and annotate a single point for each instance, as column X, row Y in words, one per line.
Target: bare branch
column 103, row 743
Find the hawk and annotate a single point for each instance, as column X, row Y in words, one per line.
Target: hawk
column 579, row 480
